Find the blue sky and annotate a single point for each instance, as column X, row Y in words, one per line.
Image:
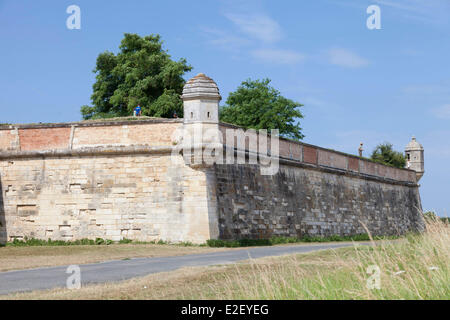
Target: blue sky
column 356, row 84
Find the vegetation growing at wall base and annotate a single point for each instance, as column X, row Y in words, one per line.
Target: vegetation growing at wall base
column 98, row 241
column 284, row 240
column 26, row 242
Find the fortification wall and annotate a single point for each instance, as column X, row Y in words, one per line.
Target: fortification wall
column 119, row 179
column 316, row 192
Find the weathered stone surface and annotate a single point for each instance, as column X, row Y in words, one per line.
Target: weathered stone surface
column 157, row 134
column 143, row 197
column 332, row 159
column 8, row 139
column 299, row 201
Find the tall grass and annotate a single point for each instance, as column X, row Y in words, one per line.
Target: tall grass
column 416, row 267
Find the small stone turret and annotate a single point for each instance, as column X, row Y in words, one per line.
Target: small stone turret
column 201, row 121
column 201, row 100
column 415, row 157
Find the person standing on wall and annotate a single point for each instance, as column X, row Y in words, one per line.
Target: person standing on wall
column 360, row 150
column 137, row 111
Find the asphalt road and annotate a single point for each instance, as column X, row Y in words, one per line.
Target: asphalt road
column 117, row 270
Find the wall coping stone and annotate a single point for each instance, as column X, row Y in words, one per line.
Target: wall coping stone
column 86, row 151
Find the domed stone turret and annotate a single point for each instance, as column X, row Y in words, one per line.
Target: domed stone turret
column 201, row 86
column 415, row 157
column 201, row 100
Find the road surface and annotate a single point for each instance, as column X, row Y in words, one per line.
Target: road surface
column 117, row 270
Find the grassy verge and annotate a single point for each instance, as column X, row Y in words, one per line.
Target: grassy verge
column 415, row 267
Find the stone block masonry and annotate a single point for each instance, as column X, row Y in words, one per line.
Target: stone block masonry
column 142, row 197
column 299, row 201
column 114, row 180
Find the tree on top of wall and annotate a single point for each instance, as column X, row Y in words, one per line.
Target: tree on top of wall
column 257, row 105
column 141, row 73
column 384, row 153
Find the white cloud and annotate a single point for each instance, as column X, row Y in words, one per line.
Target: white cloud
column 278, row 56
column 224, row 39
column 257, row 25
column 416, row 6
column 346, row 58
column 430, row 11
column 424, row 11
column 442, row 112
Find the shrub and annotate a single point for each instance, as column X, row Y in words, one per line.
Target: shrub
column 385, row 154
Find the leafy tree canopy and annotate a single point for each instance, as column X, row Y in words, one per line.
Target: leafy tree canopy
column 141, row 73
column 384, row 153
column 257, row 105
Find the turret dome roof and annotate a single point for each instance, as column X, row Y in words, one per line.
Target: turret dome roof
column 413, row 145
column 201, row 86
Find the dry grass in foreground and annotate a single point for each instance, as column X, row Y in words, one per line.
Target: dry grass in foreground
column 414, row 268
column 15, row 258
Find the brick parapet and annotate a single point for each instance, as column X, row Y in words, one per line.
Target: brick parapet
column 76, row 135
column 319, row 157
column 153, row 135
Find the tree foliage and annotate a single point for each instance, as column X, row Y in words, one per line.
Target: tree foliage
column 141, row 73
column 385, row 153
column 257, row 105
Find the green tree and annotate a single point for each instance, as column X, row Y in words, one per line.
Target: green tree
column 141, row 73
column 384, row 153
column 257, row 105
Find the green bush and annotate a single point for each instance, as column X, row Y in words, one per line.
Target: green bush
column 384, row 153
column 125, row 241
